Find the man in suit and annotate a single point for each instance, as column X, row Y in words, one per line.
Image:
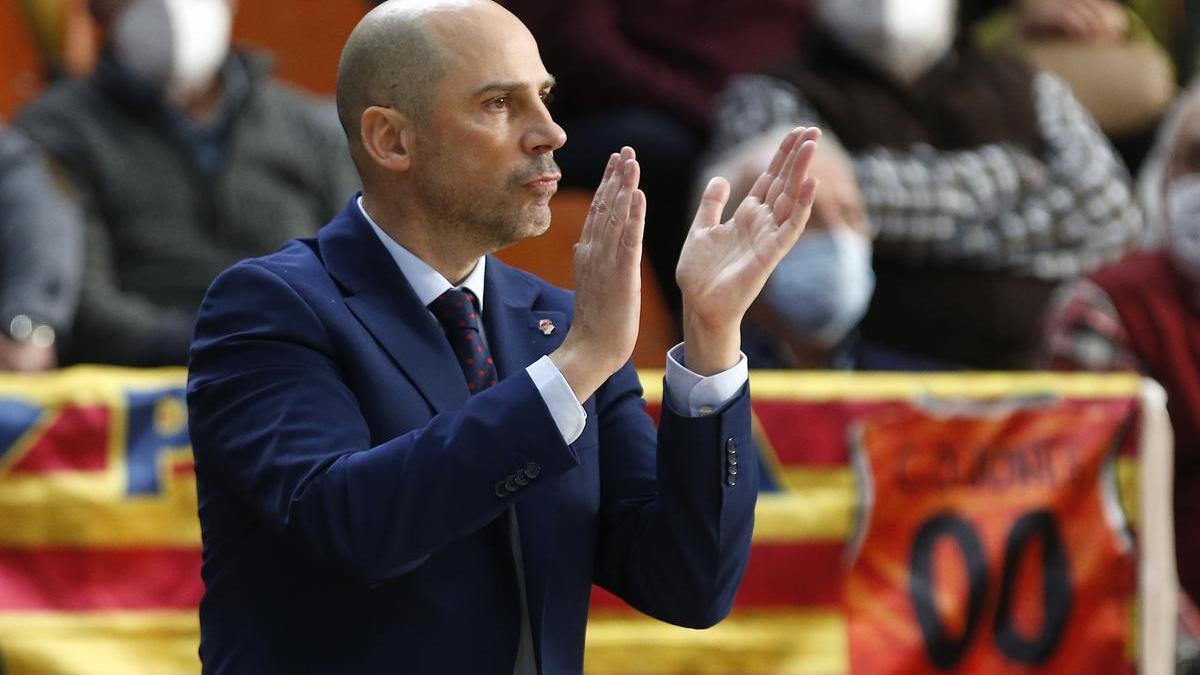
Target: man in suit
column 412, row 458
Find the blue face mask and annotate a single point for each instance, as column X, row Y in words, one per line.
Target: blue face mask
column 823, row 286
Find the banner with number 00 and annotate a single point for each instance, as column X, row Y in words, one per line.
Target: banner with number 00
column 907, row 524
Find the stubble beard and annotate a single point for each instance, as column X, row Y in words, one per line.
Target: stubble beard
column 491, row 218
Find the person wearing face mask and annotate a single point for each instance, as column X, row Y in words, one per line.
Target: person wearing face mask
column 1143, row 315
column 187, row 157
column 808, row 314
column 981, row 183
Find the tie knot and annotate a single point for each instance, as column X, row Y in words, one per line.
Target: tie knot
column 456, row 310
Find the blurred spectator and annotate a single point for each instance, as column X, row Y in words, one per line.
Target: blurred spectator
column 1103, row 49
column 644, row 73
column 983, row 183
column 808, row 314
column 1169, row 22
column 40, row 257
column 187, row 158
column 812, row 304
column 1143, row 314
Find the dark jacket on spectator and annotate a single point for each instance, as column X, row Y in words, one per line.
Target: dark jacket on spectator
column 672, row 55
column 170, row 204
column 40, row 239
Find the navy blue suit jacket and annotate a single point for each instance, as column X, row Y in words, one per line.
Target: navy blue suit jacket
column 349, row 505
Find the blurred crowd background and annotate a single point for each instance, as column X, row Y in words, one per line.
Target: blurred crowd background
column 1004, row 185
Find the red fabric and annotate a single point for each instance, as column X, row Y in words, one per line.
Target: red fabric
column 76, row 440
column 1160, row 315
column 674, row 55
column 783, row 575
column 89, row 579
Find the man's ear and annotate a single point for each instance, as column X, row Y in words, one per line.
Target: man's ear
column 386, row 137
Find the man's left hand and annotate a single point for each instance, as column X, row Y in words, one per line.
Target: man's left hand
column 723, row 266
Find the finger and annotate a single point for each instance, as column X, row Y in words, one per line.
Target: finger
column 712, row 203
column 793, row 227
column 619, row 218
column 1073, row 22
column 759, row 189
column 636, row 226
column 1089, row 27
column 620, row 176
column 788, row 199
column 1108, row 18
column 601, row 201
column 786, row 173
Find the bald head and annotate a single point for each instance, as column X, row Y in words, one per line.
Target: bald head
column 395, row 57
column 391, row 60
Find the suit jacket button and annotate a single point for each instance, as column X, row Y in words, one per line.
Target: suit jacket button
column 501, row 491
column 731, row 470
column 520, row 479
column 731, row 460
column 731, row 445
column 510, row 484
column 532, row 469
column 731, row 480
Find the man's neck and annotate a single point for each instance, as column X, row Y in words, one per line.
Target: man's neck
column 202, row 105
column 442, row 251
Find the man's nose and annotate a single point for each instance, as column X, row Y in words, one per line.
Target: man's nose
column 545, row 135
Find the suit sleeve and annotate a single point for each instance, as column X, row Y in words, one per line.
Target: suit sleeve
column 273, row 421
column 676, row 522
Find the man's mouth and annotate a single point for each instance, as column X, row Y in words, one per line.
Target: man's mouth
column 544, row 182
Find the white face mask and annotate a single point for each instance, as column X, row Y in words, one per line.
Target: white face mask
column 823, row 286
column 1183, row 223
column 177, row 45
column 900, row 38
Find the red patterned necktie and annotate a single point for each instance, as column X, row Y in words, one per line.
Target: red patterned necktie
column 458, row 312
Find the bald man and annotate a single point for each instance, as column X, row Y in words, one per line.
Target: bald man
column 413, row 458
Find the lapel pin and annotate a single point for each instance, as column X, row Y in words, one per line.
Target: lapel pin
column 546, row 326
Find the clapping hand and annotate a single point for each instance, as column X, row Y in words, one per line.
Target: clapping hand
column 607, row 280
column 724, row 265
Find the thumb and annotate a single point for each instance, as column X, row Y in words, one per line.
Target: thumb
column 712, row 203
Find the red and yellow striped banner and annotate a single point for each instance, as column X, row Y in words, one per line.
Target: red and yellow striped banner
column 99, row 542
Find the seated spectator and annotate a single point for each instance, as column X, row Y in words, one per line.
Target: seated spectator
column 1103, row 49
column 808, row 313
column 644, row 73
column 40, row 258
column 984, row 184
column 187, row 158
column 1168, row 22
column 1141, row 315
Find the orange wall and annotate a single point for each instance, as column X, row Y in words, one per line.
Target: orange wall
column 305, row 36
column 20, row 60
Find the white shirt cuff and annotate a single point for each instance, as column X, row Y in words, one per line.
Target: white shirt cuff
column 568, row 415
column 696, row 395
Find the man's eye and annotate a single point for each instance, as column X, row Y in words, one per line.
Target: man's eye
column 547, row 98
column 498, row 103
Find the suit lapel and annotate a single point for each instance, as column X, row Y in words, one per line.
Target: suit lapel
column 512, row 325
column 384, row 302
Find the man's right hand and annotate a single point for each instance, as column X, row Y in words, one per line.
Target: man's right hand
column 607, row 280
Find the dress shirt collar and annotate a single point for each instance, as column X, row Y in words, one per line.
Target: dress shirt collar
column 427, row 282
